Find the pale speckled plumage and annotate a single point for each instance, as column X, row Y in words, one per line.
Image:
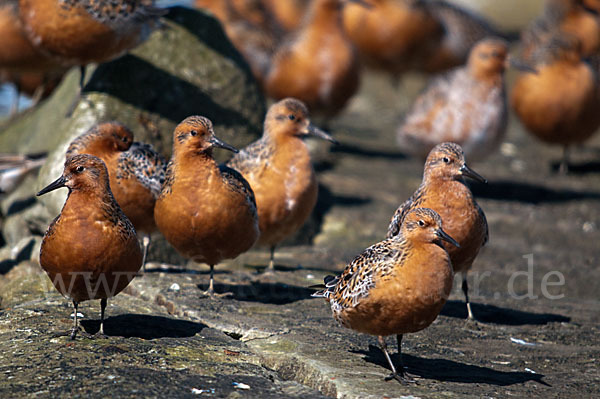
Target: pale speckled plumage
column 361, row 275
column 376, row 267
column 459, row 106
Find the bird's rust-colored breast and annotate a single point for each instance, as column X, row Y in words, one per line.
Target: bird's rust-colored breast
column 90, row 251
column 463, row 220
column 558, row 104
column 407, row 300
column 204, row 218
column 286, row 191
column 73, row 33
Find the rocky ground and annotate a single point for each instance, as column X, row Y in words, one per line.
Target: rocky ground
column 270, row 339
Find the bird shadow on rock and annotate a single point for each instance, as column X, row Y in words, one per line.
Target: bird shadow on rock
column 24, row 254
column 204, row 26
column 444, row 370
column 20, row 205
column 260, row 267
column 263, row 292
column 183, row 270
column 163, row 97
column 528, row 193
column 580, row 168
column 362, row 151
column 497, row 315
column 144, row 326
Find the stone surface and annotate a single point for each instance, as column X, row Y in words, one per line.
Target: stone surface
column 166, row 342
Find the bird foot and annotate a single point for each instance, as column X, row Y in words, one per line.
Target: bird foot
column 212, row 294
column 268, row 272
column 99, row 335
column 472, row 322
column 404, row 378
column 72, row 333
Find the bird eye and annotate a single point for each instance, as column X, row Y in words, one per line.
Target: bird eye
column 79, row 169
column 446, row 160
column 193, row 132
column 124, row 139
column 421, row 223
column 291, row 117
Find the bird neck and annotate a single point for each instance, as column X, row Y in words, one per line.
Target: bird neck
column 88, row 200
column 197, row 164
column 323, row 14
column 443, row 182
column 493, row 77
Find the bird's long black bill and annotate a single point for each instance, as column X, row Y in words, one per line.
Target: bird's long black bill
column 444, row 236
column 315, row 131
column 221, row 144
column 58, row 183
column 470, row 173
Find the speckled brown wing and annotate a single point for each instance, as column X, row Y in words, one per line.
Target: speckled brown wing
column 484, row 221
column 145, row 164
column 116, row 13
column 236, row 182
column 253, row 158
column 413, row 202
column 361, row 275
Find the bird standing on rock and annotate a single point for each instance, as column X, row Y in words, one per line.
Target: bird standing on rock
column 396, row 286
column 90, row 251
column 206, row 211
column 80, row 32
column 466, row 106
column 559, row 104
column 20, row 62
column 318, row 63
column 444, row 191
column 135, row 170
column 390, row 33
column 279, row 170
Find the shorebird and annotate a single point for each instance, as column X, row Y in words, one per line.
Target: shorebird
column 390, row 33
column 279, row 170
column 20, row 62
column 466, row 105
column 317, row 64
column 80, row 32
column 206, row 211
column 90, row 251
column 444, row 190
column 396, row 286
column 135, row 170
column 559, row 104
